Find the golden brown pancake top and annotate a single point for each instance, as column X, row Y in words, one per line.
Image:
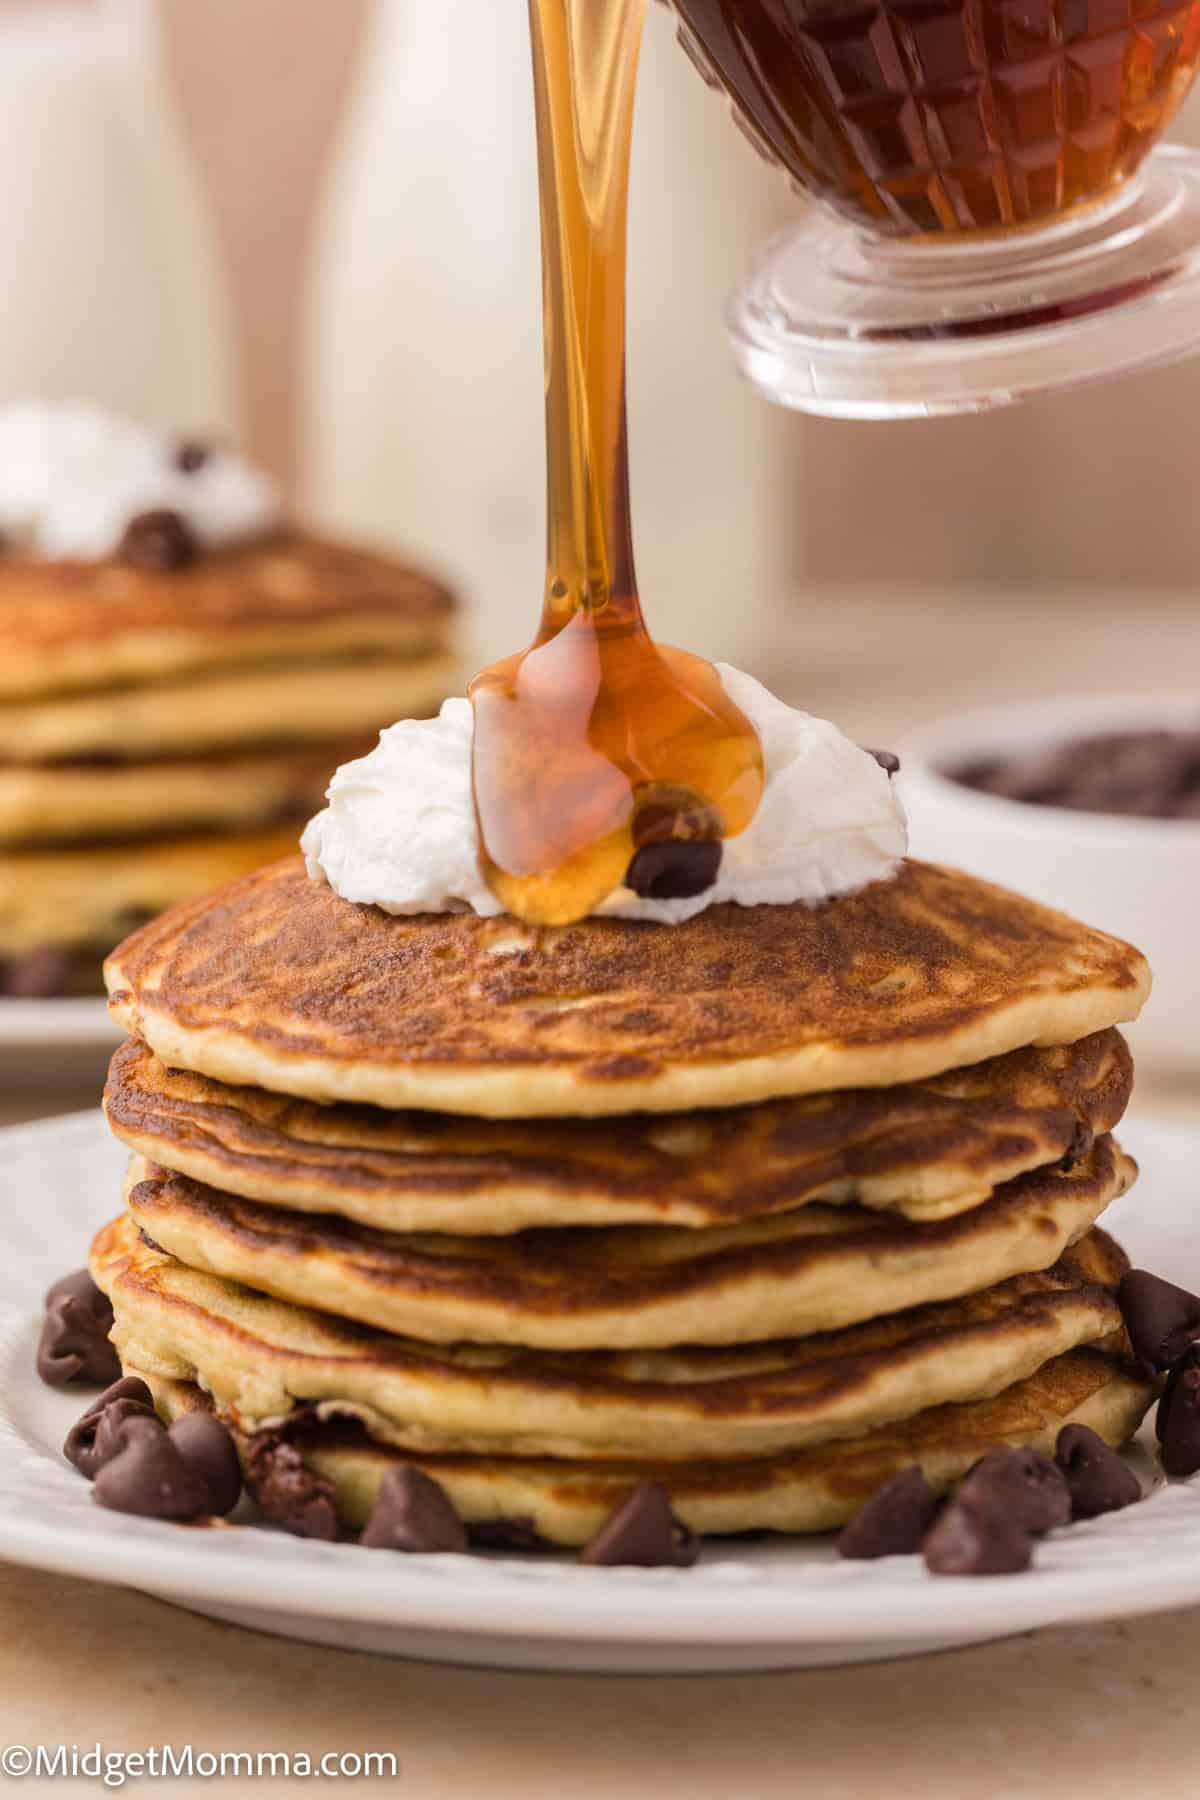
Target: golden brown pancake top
column 277, row 981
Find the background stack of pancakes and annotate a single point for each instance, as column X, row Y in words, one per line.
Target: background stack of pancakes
column 765, row 1207
column 165, row 728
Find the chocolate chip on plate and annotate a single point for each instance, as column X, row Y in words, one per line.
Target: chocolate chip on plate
column 506, row 1534
column 130, row 1387
column 1099, row 1480
column 149, row 1477
column 1161, row 1319
column 287, row 1490
column 893, row 1521
column 80, row 1447
column 888, row 761
column 74, row 1345
column 644, row 1531
column 674, row 868
column 1024, row 1482
column 977, row 1536
column 159, row 540
column 1179, row 1418
column 78, row 1285
column 110, row 1429
column 412, row 1512
column 1189, row 1360
column 208, row 1447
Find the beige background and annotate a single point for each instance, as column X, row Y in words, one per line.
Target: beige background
column 1083, row 489
column 261, row 85
column 1094, row 487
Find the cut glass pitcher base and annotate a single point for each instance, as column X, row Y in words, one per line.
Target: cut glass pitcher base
column 832, row 321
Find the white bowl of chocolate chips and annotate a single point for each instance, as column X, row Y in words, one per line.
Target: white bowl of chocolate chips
column 1091, row 805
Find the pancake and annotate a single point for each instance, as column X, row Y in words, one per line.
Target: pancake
column 73, row 625
column 256, row 704
column 84, row 896
column 64, row 803
column 927, row 1150
column 277, row 982
column 629, row 1287
column 260, row 1358
column 809, row 1490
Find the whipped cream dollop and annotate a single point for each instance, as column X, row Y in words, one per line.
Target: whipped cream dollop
column 72, row 478
column 399, row 831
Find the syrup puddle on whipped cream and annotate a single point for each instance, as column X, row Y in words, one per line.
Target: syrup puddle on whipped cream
column 597, row 745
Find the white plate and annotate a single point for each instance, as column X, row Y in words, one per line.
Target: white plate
column 56, row 1024
column 749, row 1607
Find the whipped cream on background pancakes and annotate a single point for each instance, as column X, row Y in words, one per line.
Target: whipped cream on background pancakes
column 73, row 478
column 399, row 830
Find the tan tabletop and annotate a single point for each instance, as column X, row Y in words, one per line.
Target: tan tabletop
column 1104, row 1712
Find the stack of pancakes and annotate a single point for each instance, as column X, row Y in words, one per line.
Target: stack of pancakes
column 164, row 729
column 765, row 1206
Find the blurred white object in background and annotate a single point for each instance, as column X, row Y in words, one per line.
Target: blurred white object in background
column 425, row 403
column 1137, row 878
column 425, row 361
column 111, row 290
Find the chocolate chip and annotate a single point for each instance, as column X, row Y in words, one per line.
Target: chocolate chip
column 38, row 975
column 977, row 1536
column 74, row 1346
column 148, row 1476
column 80, row 1447
column 412, row 1512
column 110, row 1428
column 888, row 761
column 1161, row 1319
column 1179, row 1420
column 78, row 1285
column 506, row 1534
column 1083, row 1139
column 666, row 810
column 158, row 540
column 130, row 1387
column 1189, row 1360
column 645, row 1532
column 1023, row 1482
column 287, row 1491
column 1099, row 1480
column 674, row 869
column 893, row 1521
column 191, row 454
column 208, row 1448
